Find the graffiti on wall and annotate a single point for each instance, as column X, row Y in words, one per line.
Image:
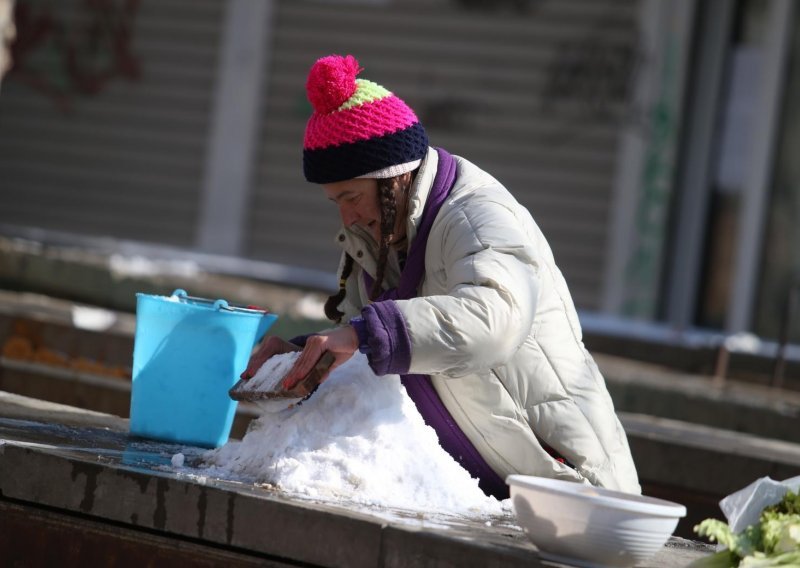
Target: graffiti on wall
column 64, row 57
column 589, row 80
column 444, row 109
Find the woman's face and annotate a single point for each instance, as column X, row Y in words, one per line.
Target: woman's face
column 357, row 200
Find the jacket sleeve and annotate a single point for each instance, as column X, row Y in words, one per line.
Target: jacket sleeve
column 491, row 275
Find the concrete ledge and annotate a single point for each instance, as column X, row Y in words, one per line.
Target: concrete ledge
column 243, row 517
column 674, row 350
column 35, row 536
column 703, row 458
column 698, row 465
column 82, row 471
column 26, row 408
column 82, row 274
column 741, row 407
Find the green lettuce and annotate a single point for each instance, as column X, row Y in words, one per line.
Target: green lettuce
column 760, row 560
column 774, row 541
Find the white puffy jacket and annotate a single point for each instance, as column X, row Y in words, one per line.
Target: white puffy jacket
column 495, row 327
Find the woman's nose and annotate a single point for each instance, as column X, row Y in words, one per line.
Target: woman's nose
column 349, row 217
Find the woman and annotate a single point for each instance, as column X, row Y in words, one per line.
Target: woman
column 447, row 281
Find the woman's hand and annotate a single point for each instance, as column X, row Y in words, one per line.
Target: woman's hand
column 272, row 345
column 342, row 342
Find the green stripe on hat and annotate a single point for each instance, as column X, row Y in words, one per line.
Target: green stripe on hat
column 366, row 92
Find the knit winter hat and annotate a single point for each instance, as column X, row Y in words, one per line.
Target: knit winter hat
column 358, row 128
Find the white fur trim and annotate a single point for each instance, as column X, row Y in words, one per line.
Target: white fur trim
column 392, row 171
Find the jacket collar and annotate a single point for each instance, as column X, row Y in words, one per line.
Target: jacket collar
column 419, row 192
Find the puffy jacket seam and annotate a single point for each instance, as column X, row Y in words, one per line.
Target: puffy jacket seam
column 565, row 308
column 569, row 398
column 467, row 417
column 463, row 211
column 513, row 306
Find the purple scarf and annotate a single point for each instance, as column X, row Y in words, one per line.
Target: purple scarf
column 419, row 387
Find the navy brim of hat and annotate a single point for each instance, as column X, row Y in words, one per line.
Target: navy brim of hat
column 348, row 161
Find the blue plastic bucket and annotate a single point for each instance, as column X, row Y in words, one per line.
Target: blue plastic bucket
column 188, row 352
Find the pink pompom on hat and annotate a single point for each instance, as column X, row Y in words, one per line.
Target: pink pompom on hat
column 358, row 128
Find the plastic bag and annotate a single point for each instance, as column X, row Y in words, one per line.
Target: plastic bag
column 744, row 507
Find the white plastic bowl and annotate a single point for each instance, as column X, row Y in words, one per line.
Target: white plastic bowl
column 591, row 525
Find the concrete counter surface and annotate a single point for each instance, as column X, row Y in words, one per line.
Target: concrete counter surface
column 65, row 470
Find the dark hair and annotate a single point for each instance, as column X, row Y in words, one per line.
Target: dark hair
column 332, row 303
column 388, row 189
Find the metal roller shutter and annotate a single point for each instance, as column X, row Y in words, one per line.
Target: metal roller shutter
column 126, row 161
column 533, row 92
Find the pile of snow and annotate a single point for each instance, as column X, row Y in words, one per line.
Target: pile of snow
column 359, row 439
column 92, row 318
column 270, row 374
column 743, row 342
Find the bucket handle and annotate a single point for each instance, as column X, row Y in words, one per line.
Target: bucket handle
column 217, row 304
